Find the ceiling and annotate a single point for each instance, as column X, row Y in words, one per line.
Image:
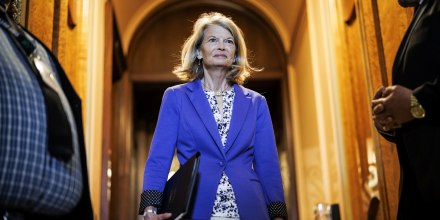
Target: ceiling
column 282, row 14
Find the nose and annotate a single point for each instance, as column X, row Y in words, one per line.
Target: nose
column 221, row 45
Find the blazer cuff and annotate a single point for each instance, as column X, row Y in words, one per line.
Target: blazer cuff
column 150, row 198
column 277, row 210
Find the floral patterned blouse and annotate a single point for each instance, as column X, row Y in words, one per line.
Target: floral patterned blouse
column 225, row 205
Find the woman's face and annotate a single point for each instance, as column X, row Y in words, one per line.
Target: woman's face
column 217, row 48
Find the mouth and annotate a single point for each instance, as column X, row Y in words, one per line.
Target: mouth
column 220, row 56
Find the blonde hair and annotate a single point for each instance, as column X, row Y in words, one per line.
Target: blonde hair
column 188, row 69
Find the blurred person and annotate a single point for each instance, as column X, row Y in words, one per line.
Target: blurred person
column 408, row 112
column 43, row 169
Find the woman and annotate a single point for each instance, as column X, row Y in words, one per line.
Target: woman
column 239, row 173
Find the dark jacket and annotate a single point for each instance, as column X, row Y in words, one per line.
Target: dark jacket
column 83, row 209
column 417, row 67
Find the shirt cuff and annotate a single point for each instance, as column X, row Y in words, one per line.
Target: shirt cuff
column 150, row 198
column 277, row 210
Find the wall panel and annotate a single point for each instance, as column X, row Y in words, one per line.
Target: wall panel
column 41, row 26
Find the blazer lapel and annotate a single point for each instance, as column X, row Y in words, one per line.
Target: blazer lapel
column 406, row 39
column 201, row 105
column 240, row 110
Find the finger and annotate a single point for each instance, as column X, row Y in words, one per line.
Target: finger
column 388, row 90
column 164, row 216
column 377, row 125
column 149, row 216
column 390, row 127
column 388, row 122
column 377, row 102
column 377, row 109
column 379, row 93
column 380, row 118
column 380, row 126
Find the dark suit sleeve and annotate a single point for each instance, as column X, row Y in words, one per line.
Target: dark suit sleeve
column 429, row 97
column 83, row 209
column 425, row 52
column 389, row 136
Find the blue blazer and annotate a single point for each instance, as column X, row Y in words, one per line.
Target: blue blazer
column 249, row 159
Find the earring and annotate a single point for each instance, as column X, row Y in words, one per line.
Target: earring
column 197, row 69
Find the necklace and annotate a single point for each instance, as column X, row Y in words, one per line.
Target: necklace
column 216, row 93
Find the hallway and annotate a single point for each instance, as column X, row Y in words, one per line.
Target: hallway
column 322, row 61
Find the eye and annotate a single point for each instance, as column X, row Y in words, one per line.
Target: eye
column 229, row 41
column 212, row 40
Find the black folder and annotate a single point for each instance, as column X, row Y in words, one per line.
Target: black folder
column 179, row 189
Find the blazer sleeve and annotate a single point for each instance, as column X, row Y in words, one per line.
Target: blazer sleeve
column 266, row 162
column 161, row 151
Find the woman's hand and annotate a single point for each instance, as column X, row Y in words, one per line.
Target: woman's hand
column 153, row 216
